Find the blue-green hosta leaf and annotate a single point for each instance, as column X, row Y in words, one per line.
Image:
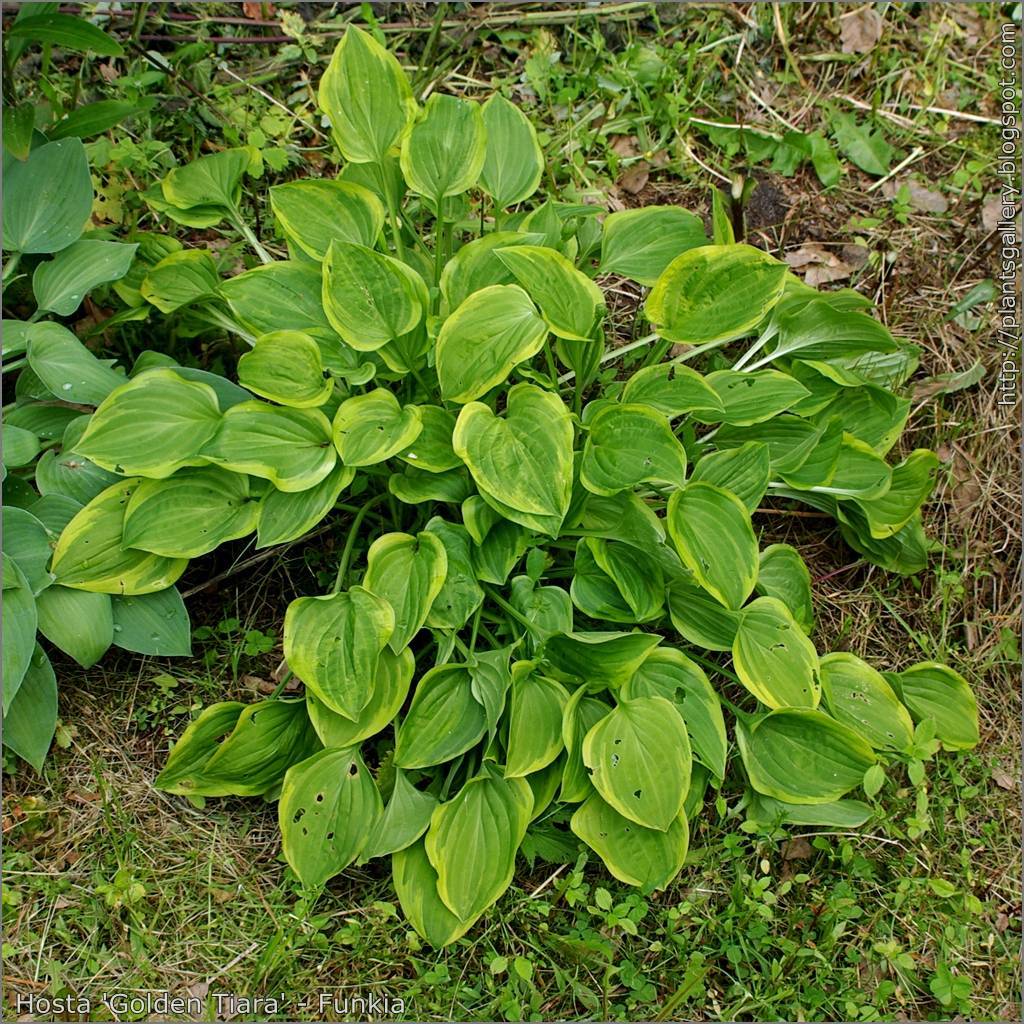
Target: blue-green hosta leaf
column 524, row 461
column 844, row 814
column 858, row 696
column 47, row 198
column 20, row 619
column 745, row 471
column 155, row 624
column 582, row 713
column 672, row 389
column 931, row 690
column 803, row 756
column 91, row 555
column 285, row 366
column 316, row 211
column 54, row 511
column 535, row 723
column 30, row 720
column 513, row 163
column 628, row 445
column 329, row 804
column 210, row 181
column 639, row 856
column 912, row 483
column 714, row 293
column 444, row 720
column 180, row 279
column 405, row 819
column 639, row 757
column 190, row 513
column 473, row 839
column 500, row 552
column 20, row 446
column 28, row 542
column 820, row 331
column 61, row 284
column 669, row 673
column 408, row 572
column 333, row 645
column 79, row 623
column 489, row 334
column 569, row 301
column 753, row 396
column 283, row 296
column 616, row 582
column 415, row 487
column 783, row 574
column 287, row 515
column 712, row 533
column 790, row 439
column 366, row 96
column 773, row 657
column 699, row 618
column 370, row 299
column 289, row 447
column 549, row 608
column 373, row 427
column 152, row 426
column 601, row 659
column 476, row 266
column 443, row 149
column 431, row 450
column 416, row 886
column 67, row 368
column 390, row 688
column 640, row 244
column 71, row 476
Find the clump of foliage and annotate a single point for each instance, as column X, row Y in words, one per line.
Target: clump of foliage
column 494, row 671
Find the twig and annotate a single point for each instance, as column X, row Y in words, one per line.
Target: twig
column 915, row 154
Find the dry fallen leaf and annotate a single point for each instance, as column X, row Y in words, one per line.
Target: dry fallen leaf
column 991, row 213
column 1004, row 780
column 625, row 145
column 860, row 30
column 821, row 265
column 1002, row 922
column 921, row 198
column 796, row 849
column 257, row 11
column 634, row 179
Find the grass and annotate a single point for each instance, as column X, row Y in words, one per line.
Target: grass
column 114, row 887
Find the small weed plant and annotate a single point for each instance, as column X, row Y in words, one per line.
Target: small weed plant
column 548, row 542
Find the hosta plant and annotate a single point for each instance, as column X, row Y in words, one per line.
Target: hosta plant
column 548, row 560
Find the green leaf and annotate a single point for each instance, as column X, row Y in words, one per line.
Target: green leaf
column 802, row 756
column 180, row 279
column 522, row 463
column 373, row 427
column 672, row 389
column 152, row 426
column 72, row 476
column 639, row 758
column 569, row 301
column 370, row 299
column 432, row 450
column 476, row 266
column 93, row 118
column 460, row 595
column 670, row 674
column 210, row 181
column 616, row 582
column 844, row 814
column 284, row 296
column 714, row 293
column 329, row 803
column 19, row 123
column 333, row 645
column 783, row 575
column 408, row 572
column 289, row 447
column 934, row 691
column 493, row 331
column 19, row 629
column 912, row 483
column 405, row 819
column 639, row 856
column 601, row 659
column 28, row 543
column 54, row 511
column 500, row 552
column 61, row 284
column 416, row 885
column 818, row 330
column 90, row 553
column 288, row 515
column 285, row 367
column 47, row 198
column 67, row 32
column 745, row 471
column 548, row 608
column 443, row 148
column 581, row 714
column 722, row 232
column 70, row 371
column 754, row 396
column 628, row 445
column 859, row 697
column 473, row 838
column 712, row 533
column 31, row 718
column 79, row 623
column 640, row 244
column 491, row 680
column 444, row 720
column 535, row 723
column 414, row 487
column 773, row 657
column 196, row 746
column 390, row 688
column 513, row 163
column 189, row 513
column 317, row 211
column 156, row 624
column 872, row 414
column 366, row 96
column 826, row 164
column 862, row 146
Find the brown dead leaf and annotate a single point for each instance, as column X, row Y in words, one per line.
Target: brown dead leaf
column 821, row 265
column 258, row 11
column 1004, row 780
column 258, row 684
column 1002, row 922
column 924, row 199
column 860, row 30
column 634, row 179
column 854, row 255
column 109, row 73
column 991, row 212
column 661, row 158
column 198, row 989
column 797, row 849
column 625, row 145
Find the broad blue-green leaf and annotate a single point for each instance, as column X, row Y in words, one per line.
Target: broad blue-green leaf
column 714, row 293
column 405, row 819
column 333, row 645
column 72, row 476
column 289, row 447
column 500, row 552
column 489, row 334
column 514, row 162
column 180, row 279
column 414, row 487
column 315, row 211
column 285, row 366
column 535, row 722
column 443, row 148
column 935, row 691
column 616, row 582
column 79, row 623
column 818, row 330
column 19, row 628
column 783, row 574
column 858, row 696
column 61, row 284
column 754, row 396
column 431, row 450
column 28, row 543
column 283, row 296
column 70, row 371
column 640, row 244
column 844, row 814
column 155, row 624
column 600, row 659
column 287, row 515
column 31, row 718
